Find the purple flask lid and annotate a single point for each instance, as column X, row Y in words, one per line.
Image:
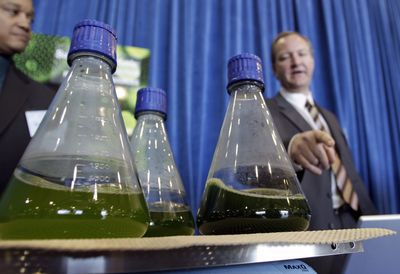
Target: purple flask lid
column 245, row 66
column 92, row 37
column 151, row 99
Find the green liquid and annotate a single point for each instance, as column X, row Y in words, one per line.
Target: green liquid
column 228, row 211
column 30, row 210
column 178, row 220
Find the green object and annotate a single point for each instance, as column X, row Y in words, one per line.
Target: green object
column 36, row 208
column 129, row 121
column 230, row 211
column 176, row 221
column 44, row 59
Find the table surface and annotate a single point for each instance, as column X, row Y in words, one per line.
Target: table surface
column 176, row 253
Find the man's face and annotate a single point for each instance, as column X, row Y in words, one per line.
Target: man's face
column 294, row 63
column 15, row 25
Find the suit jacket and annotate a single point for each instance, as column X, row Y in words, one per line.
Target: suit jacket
column 317, row 188
column 19, row 94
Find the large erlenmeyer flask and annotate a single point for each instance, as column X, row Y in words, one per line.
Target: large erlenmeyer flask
column 251, row 186
column 159, row 177
column 76, row 178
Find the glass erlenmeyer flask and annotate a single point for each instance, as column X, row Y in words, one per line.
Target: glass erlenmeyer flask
column 251, row 186
column 170, row 213
column 76, row 178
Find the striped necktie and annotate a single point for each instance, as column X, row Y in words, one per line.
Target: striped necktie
column 343, row 183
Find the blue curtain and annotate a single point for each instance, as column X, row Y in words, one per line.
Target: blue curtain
column 357, row 54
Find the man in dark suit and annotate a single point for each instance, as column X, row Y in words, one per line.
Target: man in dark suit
column 313, row 143
column 21, row 98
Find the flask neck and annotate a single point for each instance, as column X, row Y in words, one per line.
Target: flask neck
column 88, row 54
column 150, row 114
column 90, row 64
column 245, row 86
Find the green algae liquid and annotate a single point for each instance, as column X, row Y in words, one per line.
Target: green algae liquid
column 169, row 219
column 35, row 208
column 257, row 210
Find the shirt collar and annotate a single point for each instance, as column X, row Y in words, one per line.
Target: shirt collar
column 297, row 99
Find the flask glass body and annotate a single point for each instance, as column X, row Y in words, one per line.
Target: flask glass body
column 164, row 192
column 251, row 186
column 76, row 178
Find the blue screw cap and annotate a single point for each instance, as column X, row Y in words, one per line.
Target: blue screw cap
column 92, row 36
column 245, row 66
column 151, row 99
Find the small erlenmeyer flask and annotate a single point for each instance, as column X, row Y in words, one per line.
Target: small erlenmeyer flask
column 76, row 178
column 251, row 186
column 170, row 213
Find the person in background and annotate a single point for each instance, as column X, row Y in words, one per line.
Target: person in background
column 21, row 99
column 316, row 145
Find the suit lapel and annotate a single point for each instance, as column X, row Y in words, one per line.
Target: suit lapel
column 291, row 113
column 15, row 93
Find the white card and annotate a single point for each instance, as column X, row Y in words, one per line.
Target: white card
column 34, row 118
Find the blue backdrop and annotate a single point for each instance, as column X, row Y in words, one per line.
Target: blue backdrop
column 357, row 54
